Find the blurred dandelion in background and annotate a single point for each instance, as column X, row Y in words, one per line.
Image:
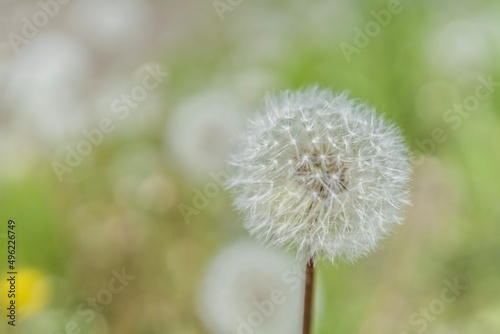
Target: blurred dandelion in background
column 201, row 130
column 238, row 288
column 113, row 27
column 46, row 87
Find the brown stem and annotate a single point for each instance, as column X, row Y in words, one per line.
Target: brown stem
column 308, row 297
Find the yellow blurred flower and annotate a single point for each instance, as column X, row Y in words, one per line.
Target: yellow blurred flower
column 33, row 291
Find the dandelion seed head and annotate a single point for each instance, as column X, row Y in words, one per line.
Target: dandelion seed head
column 231, row 289
column 200, row 131
column 334, row 185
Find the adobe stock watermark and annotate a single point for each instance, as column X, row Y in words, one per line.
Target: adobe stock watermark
column 293, row 280
column 363, row 36
column 420, row 321
column 223, row 6
column 455, row 117
column 86, row 311
column 202, row 196
column 31, row 26
column 121, row 108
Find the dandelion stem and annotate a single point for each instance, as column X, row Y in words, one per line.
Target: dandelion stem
column 308, row 298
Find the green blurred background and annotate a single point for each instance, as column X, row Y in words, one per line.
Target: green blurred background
column 134, row 201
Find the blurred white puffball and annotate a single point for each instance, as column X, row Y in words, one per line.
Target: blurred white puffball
column 240, row 292
column 200, row 132
column 112, row 25
column 46, row 83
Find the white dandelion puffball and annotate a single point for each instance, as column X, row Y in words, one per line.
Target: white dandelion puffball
column 113, row 26
column 46, row 86
column 200, row 131
column 251, row 289
column 320, row 173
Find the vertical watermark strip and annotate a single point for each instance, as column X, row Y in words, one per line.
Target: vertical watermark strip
column 11, row 273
